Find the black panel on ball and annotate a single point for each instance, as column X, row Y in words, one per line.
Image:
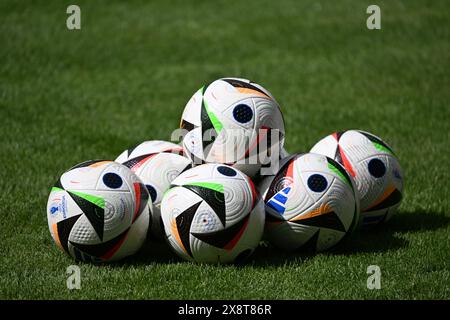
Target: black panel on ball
column 64, row 228
column 134, row 161
column 242, row 84
column 184, row 222
column 394, row 198
column 94, row 213
column 214, row 199
column 143, row 201
column 328, row 220
column 152, row 191
column 222, row 237
column 206, row 126
column 100, row 249
column 187, row 125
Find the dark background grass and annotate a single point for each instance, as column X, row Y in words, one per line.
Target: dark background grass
column 68, row 96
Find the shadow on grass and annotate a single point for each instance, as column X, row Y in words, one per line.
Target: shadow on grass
column 381, row 238
column 152, row 252
column 385, row 237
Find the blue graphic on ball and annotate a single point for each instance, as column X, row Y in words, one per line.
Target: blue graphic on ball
column 242, row 113
column 112, row 180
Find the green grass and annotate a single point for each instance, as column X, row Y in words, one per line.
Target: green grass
column 68, row 96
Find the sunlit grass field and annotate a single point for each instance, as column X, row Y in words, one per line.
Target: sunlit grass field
column 69, row 96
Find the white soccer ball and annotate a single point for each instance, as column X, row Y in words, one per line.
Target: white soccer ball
column 232, row 121
column 98, row 211
column 311, row 203
column 374, row 167
column 156, row 163
column 212, row 214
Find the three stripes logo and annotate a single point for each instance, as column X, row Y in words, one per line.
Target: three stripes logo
column 278, row 201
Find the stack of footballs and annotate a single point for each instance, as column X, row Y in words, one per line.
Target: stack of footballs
column 201, row 198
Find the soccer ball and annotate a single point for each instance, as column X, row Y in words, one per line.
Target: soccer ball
column 271, row 168
column 156, row 163
column 98, row 212
column 212, row 214
column 311, row 203
column 374, row 167
column 232, row 121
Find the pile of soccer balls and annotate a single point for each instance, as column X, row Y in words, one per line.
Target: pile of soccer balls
column 201, row 196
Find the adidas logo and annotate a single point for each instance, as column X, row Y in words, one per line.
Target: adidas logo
column 278, row 201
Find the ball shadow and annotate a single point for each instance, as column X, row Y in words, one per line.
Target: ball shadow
column 381, row 238
column 152, row 252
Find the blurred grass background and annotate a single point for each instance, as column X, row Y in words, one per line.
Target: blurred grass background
column 68, row 96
